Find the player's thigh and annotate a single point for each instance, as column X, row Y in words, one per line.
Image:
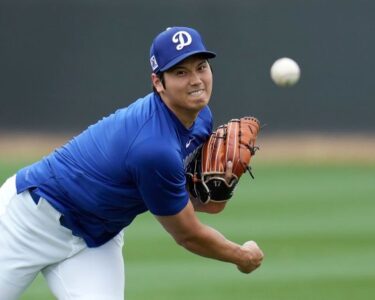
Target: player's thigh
column 31, row 238
column 15, row 277
column 17, row 269
column 92, row 274
column 9, row 291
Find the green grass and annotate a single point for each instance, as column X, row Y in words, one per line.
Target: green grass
column 315, row 224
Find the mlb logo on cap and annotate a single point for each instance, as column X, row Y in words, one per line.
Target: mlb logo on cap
column 174, row 45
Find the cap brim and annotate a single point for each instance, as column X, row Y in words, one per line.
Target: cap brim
column 207, row 54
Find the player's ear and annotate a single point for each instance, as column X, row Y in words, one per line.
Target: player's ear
column 157, row 82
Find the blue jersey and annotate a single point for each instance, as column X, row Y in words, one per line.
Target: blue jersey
column 127, row 163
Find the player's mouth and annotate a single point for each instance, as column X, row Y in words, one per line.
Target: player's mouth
column 196, row 93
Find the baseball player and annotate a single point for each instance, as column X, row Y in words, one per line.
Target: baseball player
column 63, row 215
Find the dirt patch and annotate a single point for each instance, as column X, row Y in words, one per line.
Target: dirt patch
column 311, row 146
column 29, row 145
column 323, row 147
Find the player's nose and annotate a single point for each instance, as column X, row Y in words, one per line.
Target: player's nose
column 195, row 78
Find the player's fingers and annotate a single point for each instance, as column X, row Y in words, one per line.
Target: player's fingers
column 258, row 253
column 228, row 171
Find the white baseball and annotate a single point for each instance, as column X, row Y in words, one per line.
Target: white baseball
column 285, row 72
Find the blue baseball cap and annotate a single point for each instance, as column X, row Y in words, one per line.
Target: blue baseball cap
column 174, row 45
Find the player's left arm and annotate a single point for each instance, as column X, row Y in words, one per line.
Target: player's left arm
column 211, row 207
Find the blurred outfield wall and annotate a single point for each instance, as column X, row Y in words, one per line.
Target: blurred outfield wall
column 65, row 64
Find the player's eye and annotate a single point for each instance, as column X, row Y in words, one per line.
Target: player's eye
column 203, row 66
column 180, row 72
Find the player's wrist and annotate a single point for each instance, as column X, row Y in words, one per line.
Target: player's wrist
column 209, row 207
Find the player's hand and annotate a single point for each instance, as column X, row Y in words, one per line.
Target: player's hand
column 253, row 257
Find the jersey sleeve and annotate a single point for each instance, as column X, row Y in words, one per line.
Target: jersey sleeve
column 160, row 178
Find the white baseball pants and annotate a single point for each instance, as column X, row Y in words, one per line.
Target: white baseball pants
column 32, row 241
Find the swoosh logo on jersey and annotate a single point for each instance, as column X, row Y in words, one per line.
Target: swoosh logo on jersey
column 189, row 142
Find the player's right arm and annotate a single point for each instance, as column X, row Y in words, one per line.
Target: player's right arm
column 160, row 178
column 189, row 232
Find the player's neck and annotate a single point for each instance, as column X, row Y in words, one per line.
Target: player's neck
column 187, row 121
column 186, row 117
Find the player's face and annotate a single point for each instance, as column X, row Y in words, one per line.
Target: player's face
column 187, row 87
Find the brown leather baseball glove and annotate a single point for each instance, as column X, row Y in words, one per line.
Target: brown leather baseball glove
column 219, row 164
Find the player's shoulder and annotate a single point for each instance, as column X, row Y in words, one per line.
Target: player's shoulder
column 137, row 118
column 154, row 153
column 151, row 116
column 142, row 108
column 156, row 139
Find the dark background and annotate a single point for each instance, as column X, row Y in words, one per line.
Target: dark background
column 66, row 64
